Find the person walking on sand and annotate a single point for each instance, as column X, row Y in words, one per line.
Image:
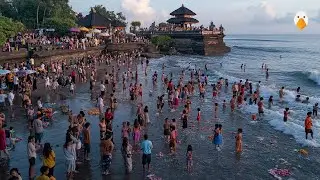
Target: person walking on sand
column 146, row 147
column 308, row 125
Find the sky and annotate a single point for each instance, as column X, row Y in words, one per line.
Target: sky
column 237, row 16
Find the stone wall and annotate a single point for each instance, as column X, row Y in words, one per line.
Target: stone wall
column 200, row 44
column 53, row 55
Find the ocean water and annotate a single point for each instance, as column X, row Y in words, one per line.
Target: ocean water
column 267, row 143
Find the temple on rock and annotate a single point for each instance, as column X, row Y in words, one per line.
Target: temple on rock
column 188, row 38
column 183, row 17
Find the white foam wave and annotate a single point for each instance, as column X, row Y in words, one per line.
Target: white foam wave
column 295, row 125
column 315, row 76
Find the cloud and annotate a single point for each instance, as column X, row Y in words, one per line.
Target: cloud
column 316, row 18
column 138, row 10
column 262, row 14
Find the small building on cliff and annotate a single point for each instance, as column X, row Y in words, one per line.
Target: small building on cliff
column 187, row 38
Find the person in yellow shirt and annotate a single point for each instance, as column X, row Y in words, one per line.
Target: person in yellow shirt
column 49, row 158
column 45, row 174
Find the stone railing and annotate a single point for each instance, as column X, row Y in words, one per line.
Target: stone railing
column 191, row 32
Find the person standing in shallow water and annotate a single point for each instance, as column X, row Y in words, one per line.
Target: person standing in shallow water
column 308, row 125
column 239, row 141
column 32, row 155
column 146, row 147
column 127, row 154
column 106, row 149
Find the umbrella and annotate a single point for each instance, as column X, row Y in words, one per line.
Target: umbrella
column 130, row 34
column 89, row 35
column 104, row 34
column 74, row 30
column 4, row 72
column 24, row 72
column 96, row 31
column 84, row 29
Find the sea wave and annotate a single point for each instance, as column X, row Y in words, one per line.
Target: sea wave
column 274, row 116
column 264, row 49
column 315, row 76
column 257, row 40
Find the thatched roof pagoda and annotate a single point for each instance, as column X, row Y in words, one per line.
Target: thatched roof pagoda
column 183, row 17
column 94, row 20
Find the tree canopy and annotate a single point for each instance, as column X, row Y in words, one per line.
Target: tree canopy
column 111, row 15
column 9, row 28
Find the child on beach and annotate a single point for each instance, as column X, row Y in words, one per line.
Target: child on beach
column 189, row 158
column 270, row 101
column 239, row 141
column 72, row 86
column 136, row 133
column 285, row 114
column 166, row 130
column 224, row 105
column 199, row 115
column 216, row 108
column 173, row 139
column 217, row 138
column 184, row 119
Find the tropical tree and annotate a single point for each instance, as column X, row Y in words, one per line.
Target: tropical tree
column 35, row 13
column 110, row 15
column 162, row 42
column 9, row 28
column 135, row 24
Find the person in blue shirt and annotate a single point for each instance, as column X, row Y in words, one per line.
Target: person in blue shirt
column 146, row 147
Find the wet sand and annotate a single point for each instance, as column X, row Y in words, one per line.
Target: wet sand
column 263, row 146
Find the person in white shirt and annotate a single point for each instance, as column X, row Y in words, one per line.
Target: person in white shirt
column 10, row 99
column 55, row 85
column 32, row 61
column 100, row 104
column 43, row 66
column 102, row 89
column 47, row 82
column 15, row 83
column 39, row 103
column 2, row 99
column 72, row 86
column 32, row 155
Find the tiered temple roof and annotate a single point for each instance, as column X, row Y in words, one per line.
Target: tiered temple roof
column 182, row 15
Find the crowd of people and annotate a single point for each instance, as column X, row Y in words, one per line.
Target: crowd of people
column 121, row 76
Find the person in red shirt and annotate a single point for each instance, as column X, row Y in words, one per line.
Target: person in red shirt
column 260, row 106
column 308, row 125
column 108, row 115
column 285, row 114
column 73, row 76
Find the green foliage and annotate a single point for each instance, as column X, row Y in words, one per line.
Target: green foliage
column 9, row 28
column 135, row 24
column 36, row 13
column 163, row 42
column 110, row 15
